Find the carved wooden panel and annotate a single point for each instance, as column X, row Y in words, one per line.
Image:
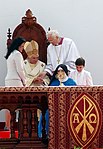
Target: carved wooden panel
column 31, row 30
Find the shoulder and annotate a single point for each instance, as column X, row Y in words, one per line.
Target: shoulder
column 50, row 47
column 42, row 64
column 16, row 53
column 71, row 81
column 87, row 72
column 67, row 40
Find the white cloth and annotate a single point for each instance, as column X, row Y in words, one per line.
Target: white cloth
column 13, row 83
column 81, row 78
column 15, row 70
column 67, row 53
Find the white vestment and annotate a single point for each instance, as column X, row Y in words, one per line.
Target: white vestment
column 33, row 72
column 82, row 78
column 66, row 52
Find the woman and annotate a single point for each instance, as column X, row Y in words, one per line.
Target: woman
column 60, row 77
column 15, row 71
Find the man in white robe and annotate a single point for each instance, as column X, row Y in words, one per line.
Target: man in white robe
column 81, row 76
column 33, row 66
column 60, row 51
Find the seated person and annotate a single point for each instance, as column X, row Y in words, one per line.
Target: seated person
column 80, row 75
column 33, row 66
column 60, row 78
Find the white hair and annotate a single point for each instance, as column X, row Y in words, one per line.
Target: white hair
column 52, row 33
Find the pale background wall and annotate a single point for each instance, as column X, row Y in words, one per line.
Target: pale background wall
column 81, row 20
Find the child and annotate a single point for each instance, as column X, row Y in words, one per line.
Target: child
column 81, row 76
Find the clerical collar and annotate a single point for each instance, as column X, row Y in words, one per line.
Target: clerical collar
column 61, row 41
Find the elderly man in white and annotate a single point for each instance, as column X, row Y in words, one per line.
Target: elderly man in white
column 33, row 66
column 60, row 51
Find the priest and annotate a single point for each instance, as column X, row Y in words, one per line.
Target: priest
column 60, row 51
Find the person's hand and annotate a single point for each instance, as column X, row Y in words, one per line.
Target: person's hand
column 42, row 75
column 38, row 80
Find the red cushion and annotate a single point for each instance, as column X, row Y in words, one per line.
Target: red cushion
column 6, row 134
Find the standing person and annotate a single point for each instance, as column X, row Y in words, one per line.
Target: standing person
column 60, row 51
column 33, row 66
column 80, row 75
column 15, row 71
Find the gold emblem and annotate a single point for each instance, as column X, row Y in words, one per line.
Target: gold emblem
column 84, row 120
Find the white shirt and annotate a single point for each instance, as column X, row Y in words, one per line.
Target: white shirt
column 66, row 52
column 81, row 78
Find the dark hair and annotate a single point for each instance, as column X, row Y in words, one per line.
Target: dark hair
column 80, row 61
column 14, row 45
column 64, row 67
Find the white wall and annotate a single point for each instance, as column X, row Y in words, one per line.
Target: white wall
column 81, row 20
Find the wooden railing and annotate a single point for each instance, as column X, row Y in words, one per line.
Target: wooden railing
column 27, row 101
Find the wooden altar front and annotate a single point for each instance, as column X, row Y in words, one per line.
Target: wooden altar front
column 60, row 99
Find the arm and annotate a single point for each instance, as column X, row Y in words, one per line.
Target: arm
column 72, row 55
column 19, row 67
column 49, row 67
column 89, row 80
column 43, row 78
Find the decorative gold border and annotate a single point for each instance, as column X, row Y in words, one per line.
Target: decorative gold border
column 52, row 89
